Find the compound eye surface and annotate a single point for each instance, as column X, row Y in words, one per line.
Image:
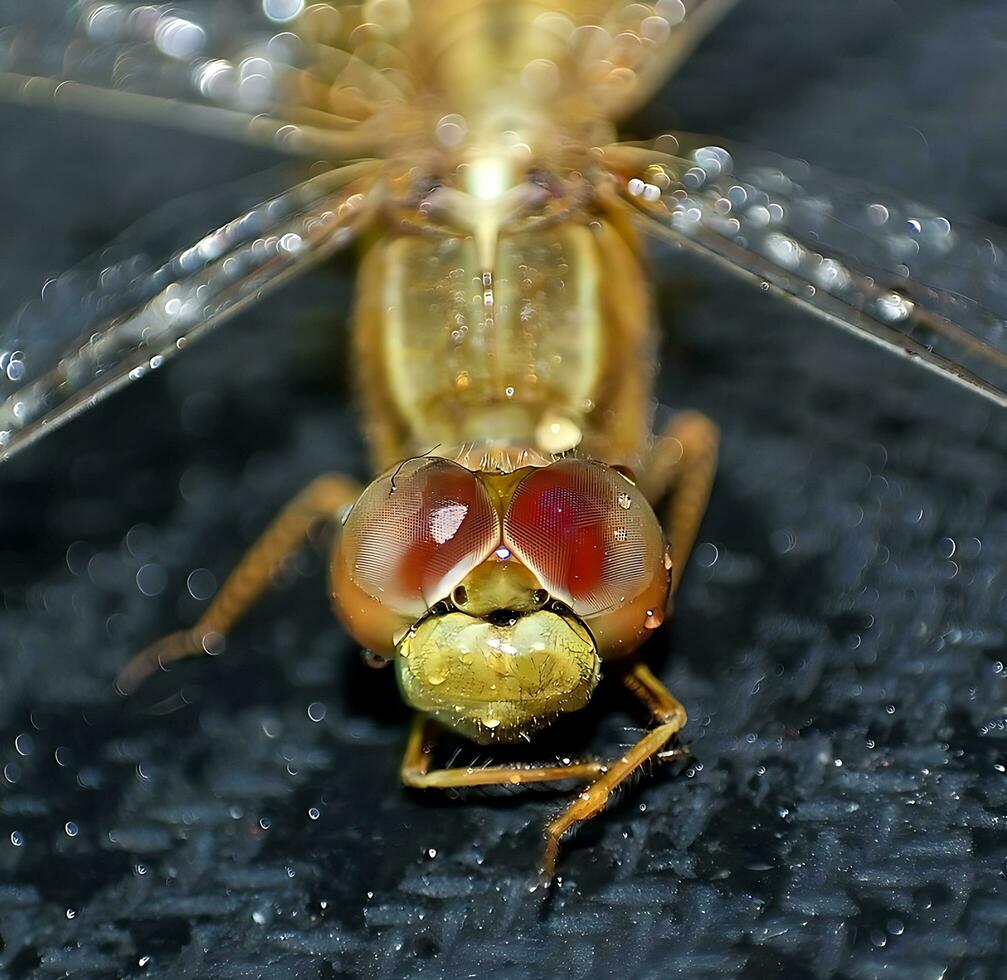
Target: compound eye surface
column 412, row 536
column 588, row 534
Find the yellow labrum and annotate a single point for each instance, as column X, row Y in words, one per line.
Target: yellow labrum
column 490, row 681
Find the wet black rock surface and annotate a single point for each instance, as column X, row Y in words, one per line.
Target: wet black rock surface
column 839, row 640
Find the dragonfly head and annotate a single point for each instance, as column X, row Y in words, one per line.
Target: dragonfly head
column 500, row 594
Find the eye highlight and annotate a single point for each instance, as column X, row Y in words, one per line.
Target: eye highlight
column 587, row 533
column 410, row 538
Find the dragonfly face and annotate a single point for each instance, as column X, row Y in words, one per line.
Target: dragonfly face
column 499, row 594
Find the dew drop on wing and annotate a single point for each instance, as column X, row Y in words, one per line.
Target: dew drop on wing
column 883, row 267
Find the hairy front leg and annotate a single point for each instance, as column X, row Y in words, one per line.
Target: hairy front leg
column 666, row 709
column 680, row 474
column 604, row 776
column 416, row 768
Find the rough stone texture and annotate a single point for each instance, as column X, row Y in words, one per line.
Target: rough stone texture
column 844, row 671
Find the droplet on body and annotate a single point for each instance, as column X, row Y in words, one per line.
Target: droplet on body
column 557, row 434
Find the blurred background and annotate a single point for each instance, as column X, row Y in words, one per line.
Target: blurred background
column 839, row 640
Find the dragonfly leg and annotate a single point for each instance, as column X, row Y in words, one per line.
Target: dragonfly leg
column 681, row 469
column 320, row 501
column 416, row 762
column 607, row 776
column 671, row 717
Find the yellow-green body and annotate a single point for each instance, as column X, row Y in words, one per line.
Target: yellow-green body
column 557, row 354
column 511, row 327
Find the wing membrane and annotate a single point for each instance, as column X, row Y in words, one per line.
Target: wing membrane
column 623, row 49
column 310, row 79
column 118, row 315
column 649, row 42
column 886, row 269
column 240, row 69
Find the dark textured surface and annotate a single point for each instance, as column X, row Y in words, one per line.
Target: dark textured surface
column 844, row 670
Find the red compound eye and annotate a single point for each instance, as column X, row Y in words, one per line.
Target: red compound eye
column 587, row 533
column 413, row 535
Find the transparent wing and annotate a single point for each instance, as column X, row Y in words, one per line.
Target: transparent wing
column 625, row 49
column 119, row 314
column 892, row 271
column 271, row 71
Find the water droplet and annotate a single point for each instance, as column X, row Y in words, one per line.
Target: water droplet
column 151, row 579
column 374, row 660
column 437, row 679
column 282, row 10
column 201, row 584
column 625, row 501
column 654, row 619
column 492, row 722
column 667, row 559
column 314, row 813
column 450, row 130
column 316, row 711
column 71, row 829
column 16, row 838
column 557, row 434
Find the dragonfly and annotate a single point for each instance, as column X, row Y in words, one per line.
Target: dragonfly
column 527, row 529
